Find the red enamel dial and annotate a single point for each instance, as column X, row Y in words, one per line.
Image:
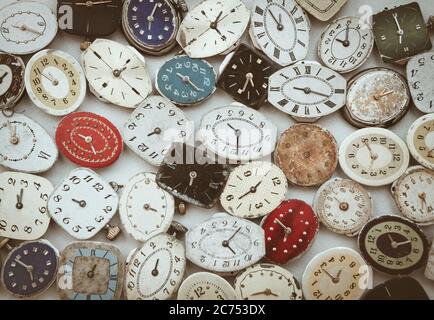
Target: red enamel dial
column 88, row 140
column 289, row 230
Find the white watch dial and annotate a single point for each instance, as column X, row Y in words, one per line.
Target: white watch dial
column 205, row 286
column 420, row 140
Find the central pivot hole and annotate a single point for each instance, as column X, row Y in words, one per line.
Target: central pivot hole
column 343, row 206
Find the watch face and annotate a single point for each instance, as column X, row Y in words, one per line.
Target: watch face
column 145, row 209
column 281, row 30
column 205, row 286
column 254, row 189
column 11, row 80
column 400, row 288
column 307, row 90
column 289, row 230
column 23, row 205
column 307, row 154
column 213, row 27
column 267, row 282
column 335, row 274
column 401, row 32
column 225, row 243
column 238, row 133
column 83, row 203
column 345, row 44
column 90, row 271
column 186, row 81
column 322, row 9
column 30, row 268
column 188, row 174
column 393, row 245
column 245, row 74
column 55, row 82
column 420, row 140
column 25, row 146
column 116, row 73
column 156, row 270
column 373, row 156
column 89, row 140
column 26, row 27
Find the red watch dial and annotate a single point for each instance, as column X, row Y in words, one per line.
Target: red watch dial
column 89, row 140
column 289, row 230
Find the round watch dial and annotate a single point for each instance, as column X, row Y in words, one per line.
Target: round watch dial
column 376, row 97
column 205, row 286
column 323, row 10
column 373, row 156
column 343, row 206
column 55, row 82
column 345, row 44
column 307, row 154
column 254, row 189
column 267, row 282
column 393, row 245
column 89, row 140
column 30, row 268
column 11, row 80
column 420, row 140
column 335, row 274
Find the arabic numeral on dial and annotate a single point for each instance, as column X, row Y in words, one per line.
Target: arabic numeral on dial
column 38, row 222
column 199, row 292
column 172, row 282
column 132, row 126
column 58, row 210
column 66, row 188
column 75, row 180
column 259, row 205
column 143, row 147
column 28, row 229
column 3, row 225
column 14, row 228
column 176, row 272
column 12, row 181
column 90, row 228
column 57, row 198
column 66, row 220
column 202, row 259
column 229, row 197
column 256, row 243
column 194, row 244
column 177, row 259
column 43, row 210
column 98, row 187
column 107, row 209
column 276, row 181
column 36, row 82
column 76, row 228
column 99, row 219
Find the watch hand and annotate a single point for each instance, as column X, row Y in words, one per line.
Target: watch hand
column 192, row 175
column 402, row 243
column 278, row 24
column 29, row 268
column 26, row 28
column 148, row 207
column 81, row 203
column 154, row 271
column 266, row 292
column 334, row 279
column 82, row 136
column 187, row 79
column 91, row 3
column 13, row 133
column 19, row 204
column 374, row 156
column 156, row 131
column 251, row 190
column 150, row 18
column 3, row 76
column 399, row 31
column 92, row 147
column 347, row 33
column 286, row 229
column 422, row 197
column 383, row 94
column 99, row 57
column 308, row 90
column 232, row 236
column 49, row 78
column 91, row 273
column 249, row 76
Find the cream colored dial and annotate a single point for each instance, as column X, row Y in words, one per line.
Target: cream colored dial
column 420, row 140
column 206, row 286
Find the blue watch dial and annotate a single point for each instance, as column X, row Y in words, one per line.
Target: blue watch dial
column 186, row 81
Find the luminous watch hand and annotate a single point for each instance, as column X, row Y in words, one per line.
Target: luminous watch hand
column 399, row 31
column 150, row 18
column 192, row 175
column 249, row 78
column 13, row 133
column 187, row 79
column 29, row 268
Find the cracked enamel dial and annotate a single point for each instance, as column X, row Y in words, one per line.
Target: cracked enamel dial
column 373, row 156
column 11, row 80
column 343, row 206
column 420, row 140
column 206, row 286
column 335, row 274
column 323, row 10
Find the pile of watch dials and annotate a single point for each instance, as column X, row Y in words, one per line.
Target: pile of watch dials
column 258, row 229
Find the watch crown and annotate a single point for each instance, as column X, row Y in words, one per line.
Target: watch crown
column 180, row 206
column 112, row 232
column 182, row 6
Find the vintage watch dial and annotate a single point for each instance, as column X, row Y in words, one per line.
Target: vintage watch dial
column 429, row 269
column 25, row 146
column 377, row 97
column 90, row 270
column 398, row 288
column 307, row 90
column 322, row 9
column 89, row 140
column 156, row 270
column 343, row 206
column 420, row 140
column 145, row 209
column 213, row 27
column 206, row 286
column 393, row 245
column 335, row 274
column 225, row 243
column 267, row 282
column 373, row 156
column 307, row 154
column 236, row 132
column 254, row 189
column 11, row 80
column 23, row 205
column 83, row 203
column 345, row 44
column 30, row 268
column 55, row 82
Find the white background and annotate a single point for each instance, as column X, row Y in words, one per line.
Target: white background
column 129, row 164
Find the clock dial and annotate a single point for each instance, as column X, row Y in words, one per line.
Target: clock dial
column 23, row 205
column 90, row 270
column 420, row 140
column 145, row 209
column 253, row 190
column 307, row 90
column 267, row 282
column 373, row 156
column 393, row 245
column 322, row 9
column 244, row 75
column 307, row 154
column 26, row 27
column 25, row 146
column 11, row 80
column 205, row 286
column 116, row 73
column 345, row 44
column 213, row 27
column 225, row 243
column 30, row 268
column 281, row 30
column 429, row 269
column 156, row 270
column 343, row 206
column 398, row 288
column 83, row 203
column 236, row 132
column 55, row 82
column 335, row 274
column 89, row 140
